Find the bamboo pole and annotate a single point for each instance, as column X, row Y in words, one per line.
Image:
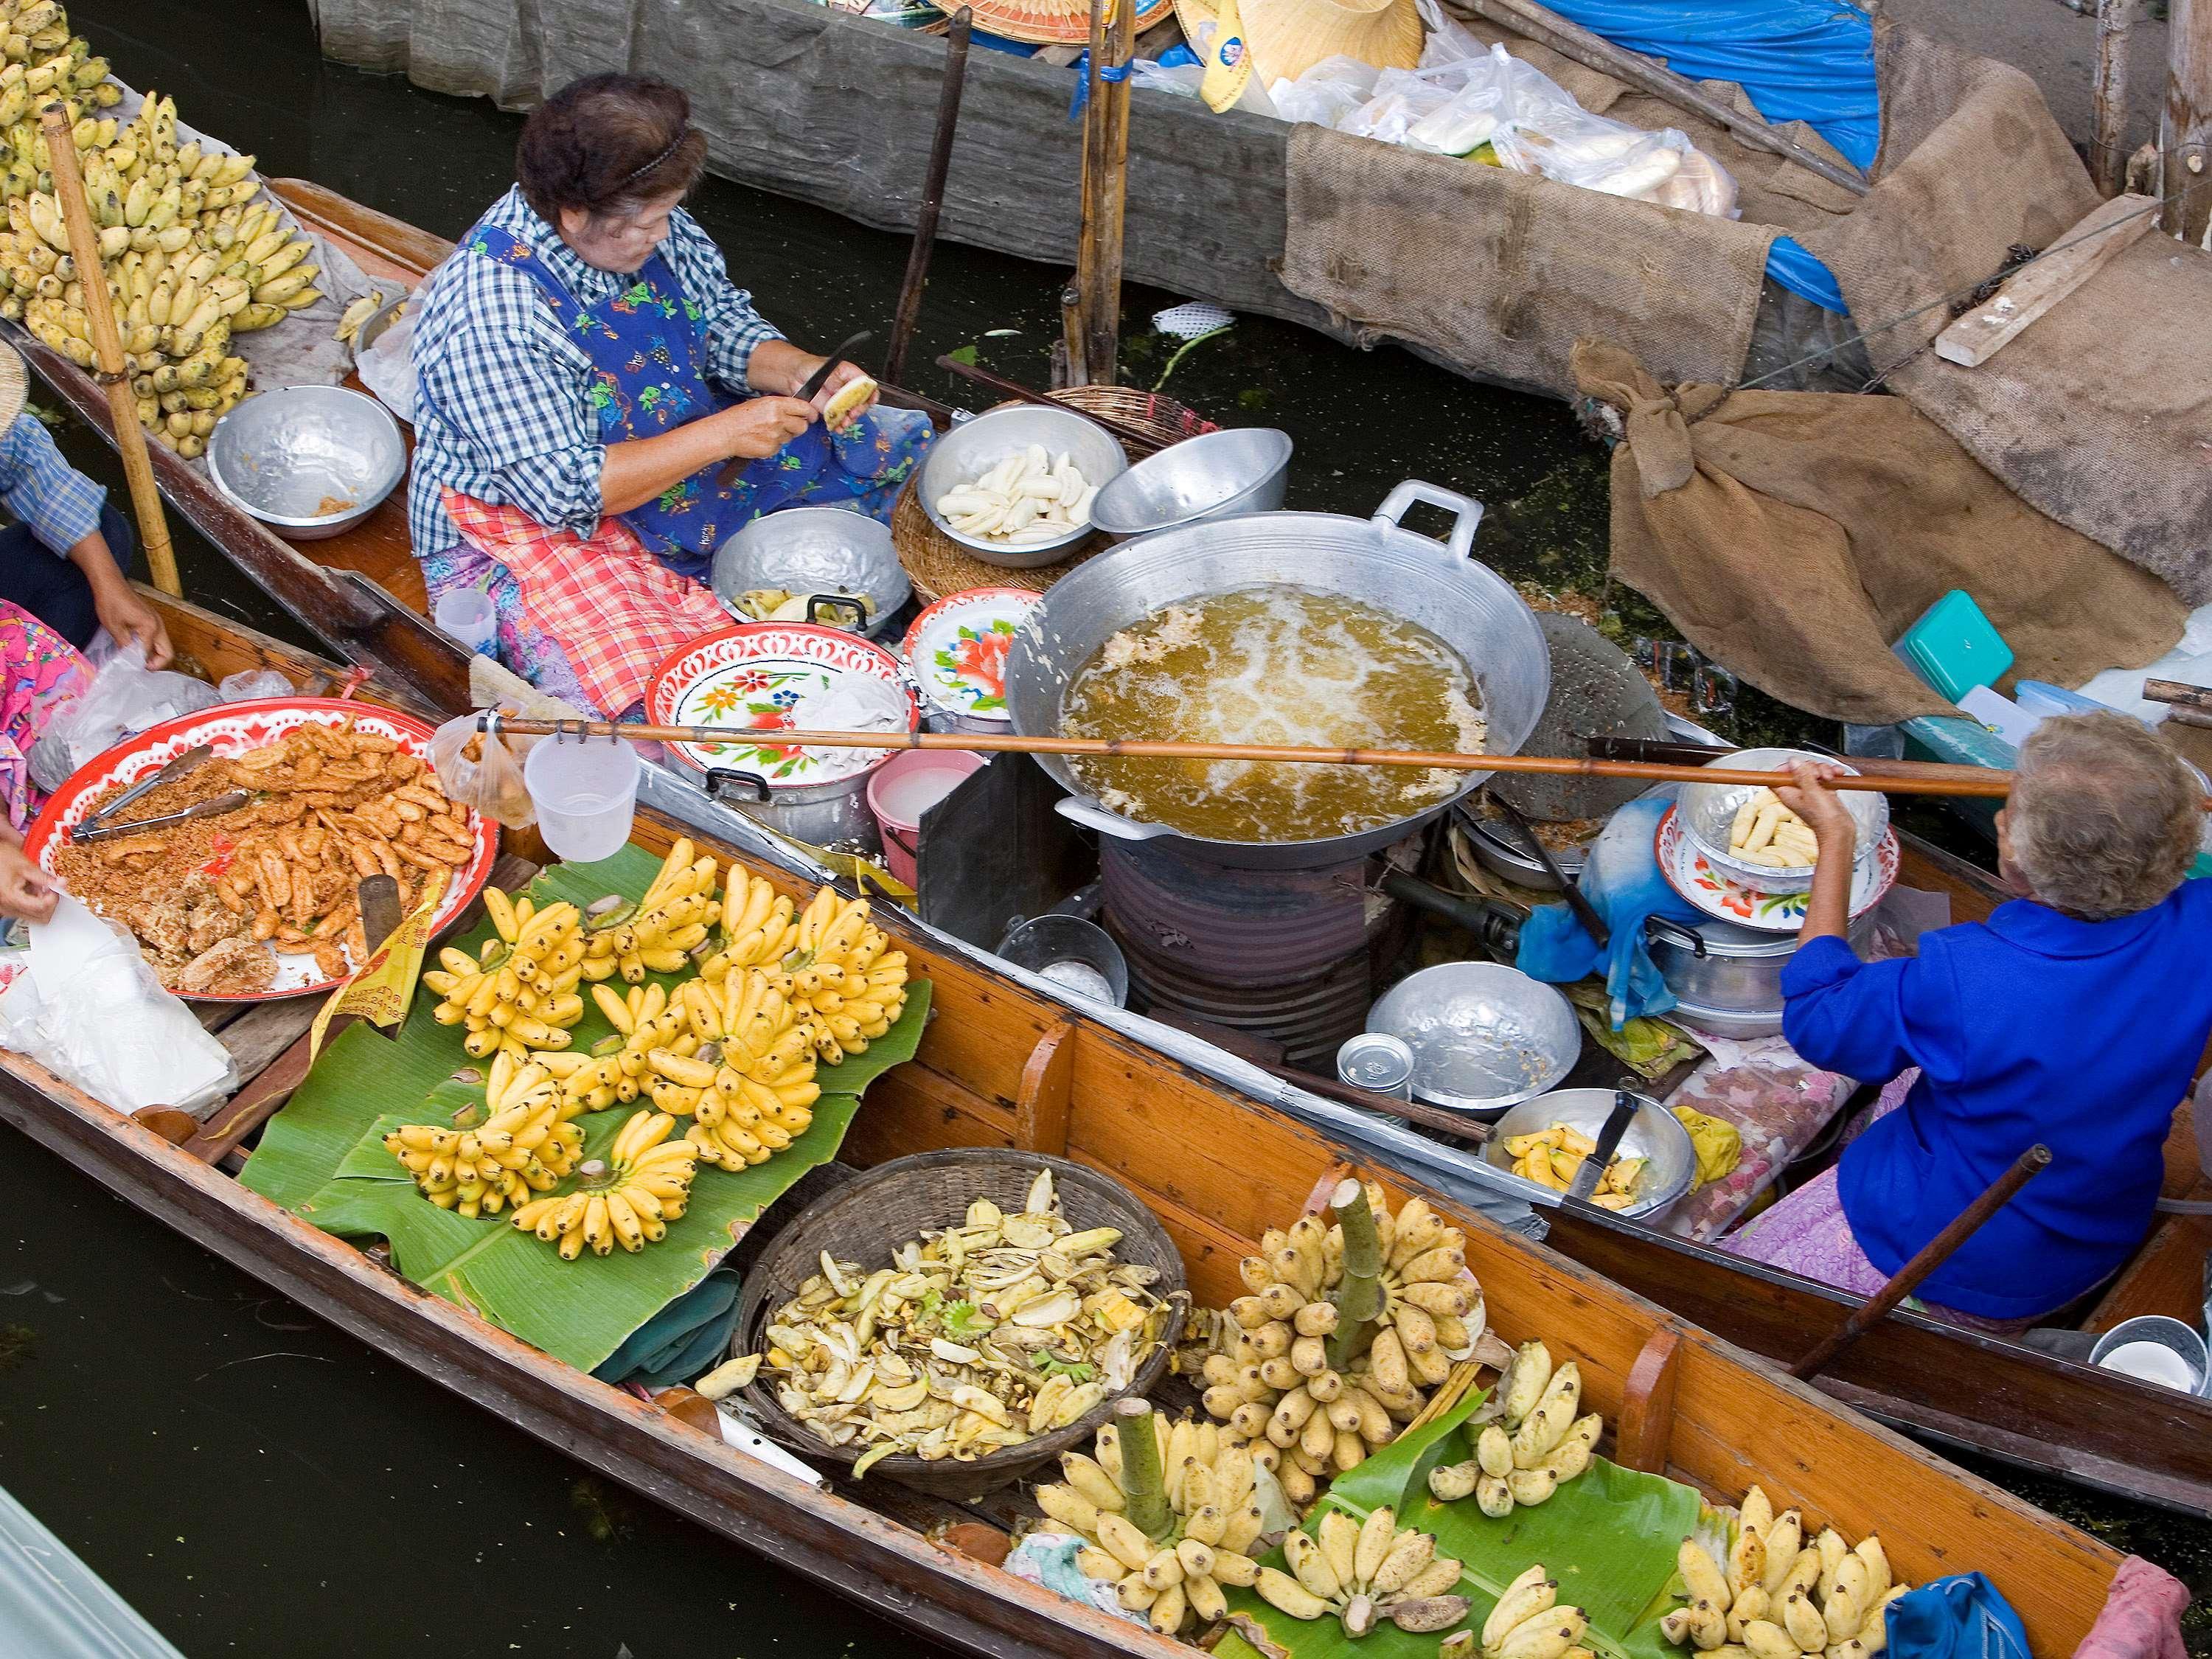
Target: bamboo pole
column 2108, row 156
column 2184, row 137
column 1094, row 330
column 1983, row 782
column 108, row 353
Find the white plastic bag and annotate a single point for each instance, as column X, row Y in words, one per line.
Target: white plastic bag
column 1326, row 93
column 483, row 770
column 124, row 697
column 248, row 684
column 90, row 1009
column 387, row 368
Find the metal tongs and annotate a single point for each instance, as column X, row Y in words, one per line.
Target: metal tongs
column 98, row 825
column 213, row 807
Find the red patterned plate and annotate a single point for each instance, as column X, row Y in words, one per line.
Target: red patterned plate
column 235, row 728
column 766, row 677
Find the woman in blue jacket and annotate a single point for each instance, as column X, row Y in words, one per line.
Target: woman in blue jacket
column 2075, row 1016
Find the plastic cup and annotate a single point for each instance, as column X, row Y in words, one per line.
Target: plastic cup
column 465, row 616
column 585, row 794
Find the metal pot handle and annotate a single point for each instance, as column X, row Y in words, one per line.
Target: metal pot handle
column 1682, row 939
column 1106, row 823
column 833, row 602
column 1466, row 511
column 719, row 778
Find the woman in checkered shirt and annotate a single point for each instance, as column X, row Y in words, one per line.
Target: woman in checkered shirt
column 587, row 376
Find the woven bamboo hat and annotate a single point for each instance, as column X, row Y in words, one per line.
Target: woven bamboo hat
column 1286, row 38
column 1050, row 22
column 14, row 385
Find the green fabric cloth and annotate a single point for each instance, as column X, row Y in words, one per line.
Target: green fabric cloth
column 684, row 1341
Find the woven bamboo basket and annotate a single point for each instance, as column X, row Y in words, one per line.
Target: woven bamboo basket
column 867, row 1218
column 938, row 565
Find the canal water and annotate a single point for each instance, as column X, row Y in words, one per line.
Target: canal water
column 258, row 1484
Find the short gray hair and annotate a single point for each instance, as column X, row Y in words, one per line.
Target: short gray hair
column 2103, row 818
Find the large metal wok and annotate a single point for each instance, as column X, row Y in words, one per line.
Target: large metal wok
column 1433, row 583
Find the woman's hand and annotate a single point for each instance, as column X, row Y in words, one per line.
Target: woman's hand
column 841, row 377
column 1822, row 809
column 126, row 616
column 26, row 890
column 761, row 426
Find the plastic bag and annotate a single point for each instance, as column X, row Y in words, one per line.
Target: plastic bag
column 483, row 770
column 91, row 1009
column 1325, row 94
column 124, row 697
column 251, row 683
column 387, row 368
column 1778, row 1104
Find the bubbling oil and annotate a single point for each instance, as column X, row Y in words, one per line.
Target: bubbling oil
column 1273, row 664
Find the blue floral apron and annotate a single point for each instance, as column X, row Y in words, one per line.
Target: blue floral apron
column 648, row 347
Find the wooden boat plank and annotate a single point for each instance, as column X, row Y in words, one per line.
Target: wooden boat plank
column 264, row 1031
column 2166, row 1276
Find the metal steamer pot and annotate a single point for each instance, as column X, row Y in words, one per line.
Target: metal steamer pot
column 1435, row 583
column 1728, row 980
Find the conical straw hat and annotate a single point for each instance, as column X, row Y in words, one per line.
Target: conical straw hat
column 1050, row 22
column 1287, row 38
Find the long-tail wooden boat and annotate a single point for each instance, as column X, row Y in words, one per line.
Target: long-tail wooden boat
column 999, row 1066
column 361, row 594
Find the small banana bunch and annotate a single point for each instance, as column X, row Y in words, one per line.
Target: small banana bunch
column 1527, row 1623
column 1169, row 1557
column 1782, row 1597
column 1300, row 1369
column 520, row 995
column 844, row 982
column 759, row 924
column 749, row 1086
column 1539, row 1444
column 629, row 1200
column 1364, row 1571
column 522, row 1146
column 657, row 934
column 355, row 315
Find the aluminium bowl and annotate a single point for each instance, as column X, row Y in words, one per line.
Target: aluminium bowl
column 1654, row 1135
column 1216, row 475
column 973, row 447
column 1709, row 809
column 815, row 550
column 1485, row 1037
column 283, row 453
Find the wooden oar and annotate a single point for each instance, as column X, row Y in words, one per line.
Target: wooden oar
column 108, row 351
column 1968, row 781
column 933, row 193
column 1925, row 1260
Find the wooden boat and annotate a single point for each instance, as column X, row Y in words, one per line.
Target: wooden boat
column 361, row 594
column 1001, row 1067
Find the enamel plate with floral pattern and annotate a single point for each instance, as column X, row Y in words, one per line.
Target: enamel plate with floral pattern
column 234, row 729
column 771, row 678
column 956, row 649
column 1725, row 899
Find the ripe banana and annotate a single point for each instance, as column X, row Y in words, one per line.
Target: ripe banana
column 520, row 996
column 645, row 1184
column 521, row 1145
column 1825, row 1599
column 1366, row 1572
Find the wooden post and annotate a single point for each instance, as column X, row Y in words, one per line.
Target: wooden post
column 1097, row 315
column 933, row 195
column 1646, row 1424
column 2108, row 158
column 2184, row 137
column 1041, row 1108
column 108, row 353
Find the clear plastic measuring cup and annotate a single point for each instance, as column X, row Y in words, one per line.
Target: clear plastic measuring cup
column 466, row 616
column 586, row 793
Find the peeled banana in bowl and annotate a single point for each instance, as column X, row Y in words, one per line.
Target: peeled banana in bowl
column 1781, row 1594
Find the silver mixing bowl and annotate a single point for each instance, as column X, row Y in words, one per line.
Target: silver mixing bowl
column 1708, row 811
column 1654, row 1135
column 972, row 448
column 1216, row 475
column 1484, row 1036
column 814, row 549
column 284, row 451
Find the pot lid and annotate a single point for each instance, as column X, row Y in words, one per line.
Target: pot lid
column 772, row 676
column 955, row 650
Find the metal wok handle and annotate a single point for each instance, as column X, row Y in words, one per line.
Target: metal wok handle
column 1683, row 939
column 1106, row 823
column 1466, row 511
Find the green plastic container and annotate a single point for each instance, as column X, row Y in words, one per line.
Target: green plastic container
column 1953, row 648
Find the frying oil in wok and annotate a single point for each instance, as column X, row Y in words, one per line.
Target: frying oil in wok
column 1273, row 664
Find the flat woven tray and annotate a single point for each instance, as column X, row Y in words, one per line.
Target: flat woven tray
column 938, row 565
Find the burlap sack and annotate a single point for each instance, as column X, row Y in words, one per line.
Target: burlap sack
column 1793, row 536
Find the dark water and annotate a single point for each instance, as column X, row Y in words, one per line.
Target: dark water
column 260, row 1484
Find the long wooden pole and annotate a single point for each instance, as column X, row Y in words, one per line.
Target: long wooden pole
column 2185, row 137
column 108, row 353
column 1964, row 781
column 1930, row 1257
column 933, row 194
column 2108, row 153
column 1094, row 343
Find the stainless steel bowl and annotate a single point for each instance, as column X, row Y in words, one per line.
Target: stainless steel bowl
column 1216, row 475
column 284, row 451
column 380, row 320
column 814, row 549
column 1655, row 1134
column 1484, row 1036
column 1708, row 811
column 1497, row 850
column 972, row 448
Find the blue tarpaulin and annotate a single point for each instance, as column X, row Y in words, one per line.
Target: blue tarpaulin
column 1797, row 60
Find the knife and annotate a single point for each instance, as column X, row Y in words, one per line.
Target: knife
column 206, row 809
column 187, row 762
column 805, row 393
column 379, row 910
column 1584, row 911
column 1608, row 1143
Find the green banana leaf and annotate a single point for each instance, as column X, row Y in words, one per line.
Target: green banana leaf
column 322, row 1156
column 1609, row 1537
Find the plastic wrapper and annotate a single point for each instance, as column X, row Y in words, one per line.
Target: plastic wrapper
column 1327, row 94
column 387, row 368
column 1778, row 1104
column 483, row 770
column 251, row 683
column 124, row 698
column 91, row 1009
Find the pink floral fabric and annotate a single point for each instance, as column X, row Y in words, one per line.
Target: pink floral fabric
column 43, row 673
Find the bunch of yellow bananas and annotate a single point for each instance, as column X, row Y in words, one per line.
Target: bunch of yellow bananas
column 749, row 1086
column 522, row 995
column 657, row 934
column 629, row 1201
column 843, row 981
column 758, row 925
column 1366, row 1570
column 522, row 1144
